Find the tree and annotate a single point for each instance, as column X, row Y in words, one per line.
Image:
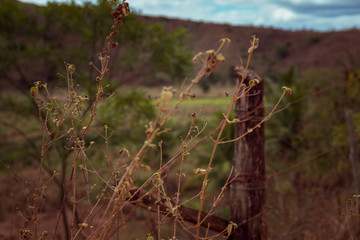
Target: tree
column 58, row 32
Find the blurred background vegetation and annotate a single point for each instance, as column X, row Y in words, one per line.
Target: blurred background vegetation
column 310, row 135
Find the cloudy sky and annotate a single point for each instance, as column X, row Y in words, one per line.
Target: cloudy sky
column 321, row 15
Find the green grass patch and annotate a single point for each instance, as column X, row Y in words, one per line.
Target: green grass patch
column 204, row 107
column 205, row 101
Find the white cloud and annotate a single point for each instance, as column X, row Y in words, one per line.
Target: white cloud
column 283, row 14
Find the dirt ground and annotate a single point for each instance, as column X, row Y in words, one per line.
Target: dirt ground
column 323, row 215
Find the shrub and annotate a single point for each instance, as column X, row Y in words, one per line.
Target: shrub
column 283, row 50
column 313, row 38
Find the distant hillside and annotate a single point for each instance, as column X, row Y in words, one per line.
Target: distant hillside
column 278, row 49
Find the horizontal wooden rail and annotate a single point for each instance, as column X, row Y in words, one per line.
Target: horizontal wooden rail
column 150, row 202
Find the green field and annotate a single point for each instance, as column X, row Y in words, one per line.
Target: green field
column 211, row 102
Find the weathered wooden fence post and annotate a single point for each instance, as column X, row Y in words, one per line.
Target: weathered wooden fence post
column 247, row 191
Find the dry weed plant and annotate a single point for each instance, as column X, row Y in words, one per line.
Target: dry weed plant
column 107, row 215
column 351, row 213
